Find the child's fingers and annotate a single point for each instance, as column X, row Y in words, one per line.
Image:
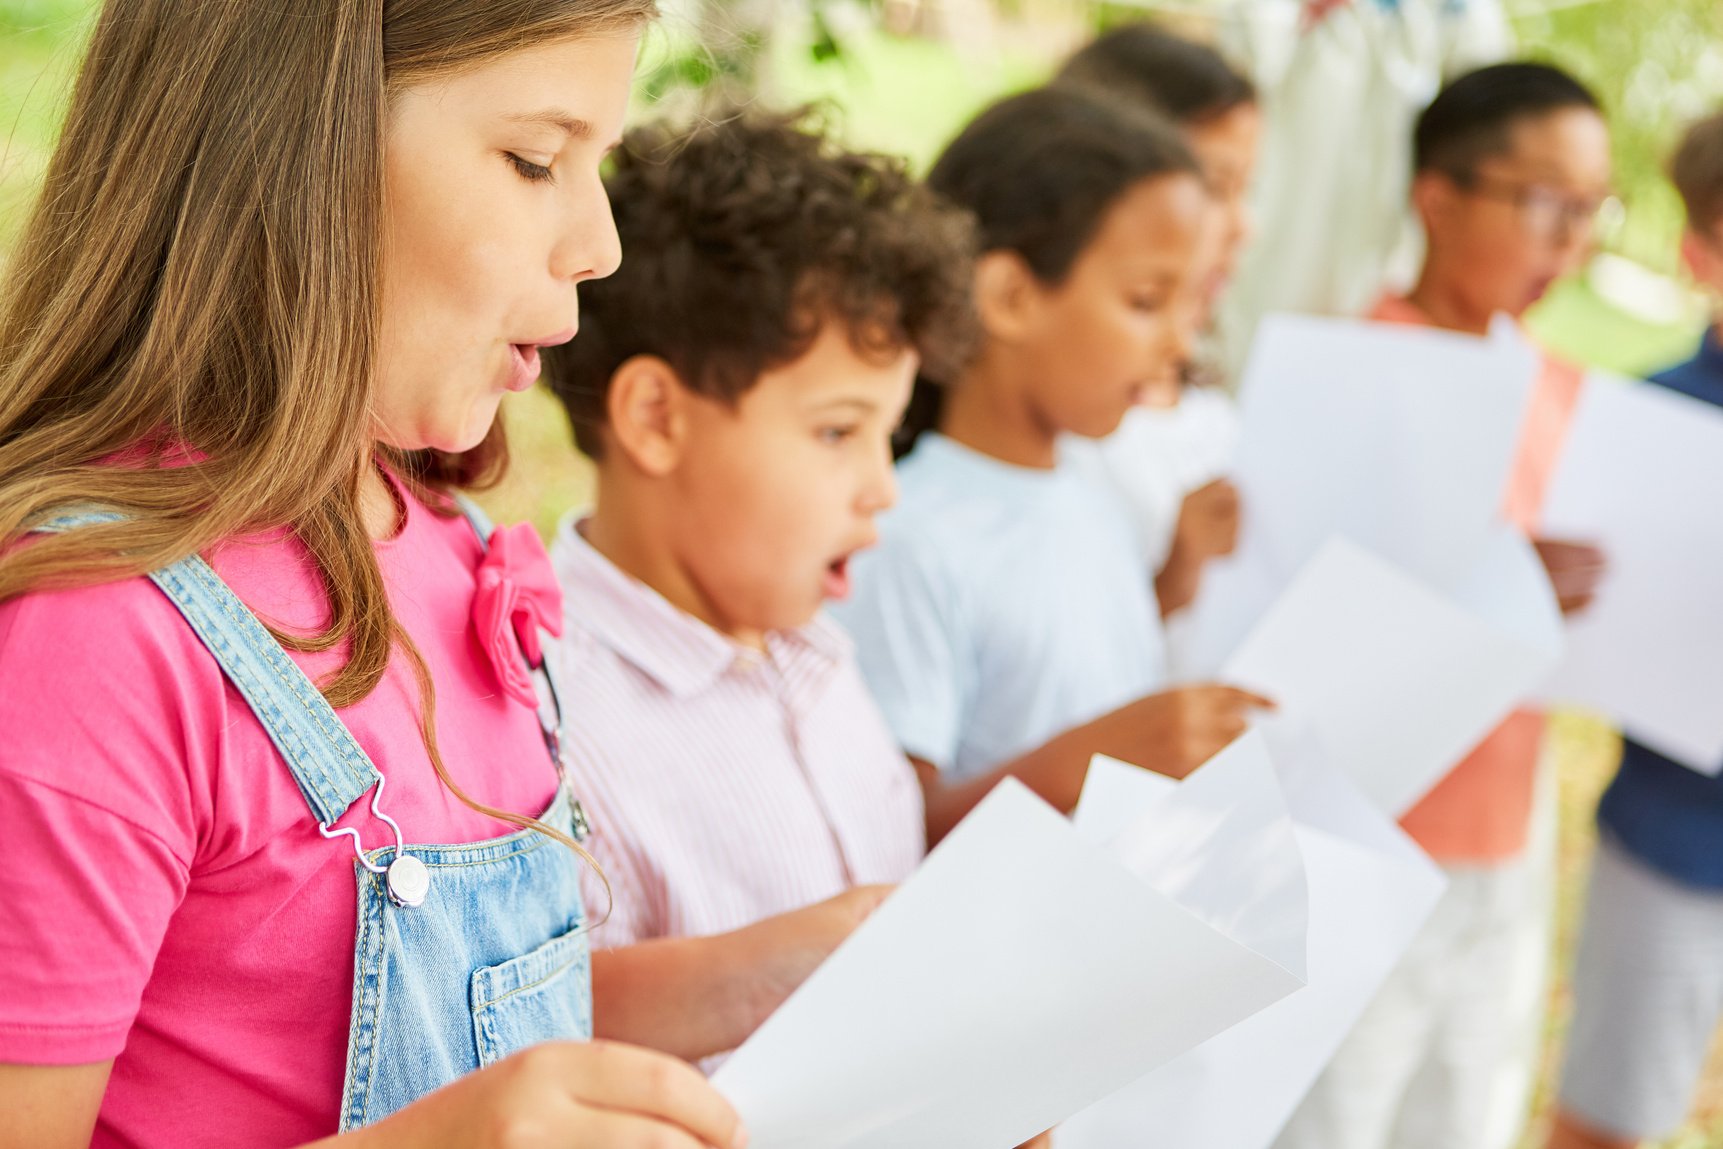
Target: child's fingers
column 637, row 1081
column 1565, row 560
column 856, row 904
column 868, row 898
column 1213, row 733
column 1575, row 584
column 616, row 1130
column 1236, row 698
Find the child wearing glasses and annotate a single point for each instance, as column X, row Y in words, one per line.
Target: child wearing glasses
column 1511, row 172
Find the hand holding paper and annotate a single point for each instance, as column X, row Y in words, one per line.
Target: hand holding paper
column 1370, row 890
column 1175, row 731
column 1397, row 438
column 1641, row 474
column 1397, row 681
column 1024, row 972
column 1575, row 570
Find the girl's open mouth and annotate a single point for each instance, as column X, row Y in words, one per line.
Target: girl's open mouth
column 526, row 366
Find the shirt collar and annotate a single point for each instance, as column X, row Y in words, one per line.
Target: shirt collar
column 678, row 651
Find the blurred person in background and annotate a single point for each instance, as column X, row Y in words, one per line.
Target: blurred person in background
column 1511, row 169
column 1342, row 82
column 1170, row 455
column 1648, row 980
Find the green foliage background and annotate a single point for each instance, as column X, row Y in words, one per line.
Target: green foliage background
column 1658, row 64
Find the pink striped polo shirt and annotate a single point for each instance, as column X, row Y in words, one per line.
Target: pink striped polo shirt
column 724, row 784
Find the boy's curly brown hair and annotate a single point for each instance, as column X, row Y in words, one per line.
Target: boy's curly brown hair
column 741, row 238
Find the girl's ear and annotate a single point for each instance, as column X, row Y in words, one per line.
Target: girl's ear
column 647, row 409
column 1008, row 296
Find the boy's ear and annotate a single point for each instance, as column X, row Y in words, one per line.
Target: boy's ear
column 1006, row 295
column 647, row 412
column 1702, row 260
column 1693, row 254
column 1434, row 194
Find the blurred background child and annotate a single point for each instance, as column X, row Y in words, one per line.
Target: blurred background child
column 1512, row 166
column 1648, row 984
column 1006, row 622
column 1170, row 455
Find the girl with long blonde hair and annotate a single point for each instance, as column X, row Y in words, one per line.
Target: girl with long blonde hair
column 287, row 260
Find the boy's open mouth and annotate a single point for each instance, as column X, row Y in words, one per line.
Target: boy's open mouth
column 837, row 584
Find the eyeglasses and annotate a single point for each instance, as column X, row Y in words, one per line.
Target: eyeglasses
column 1546, row 213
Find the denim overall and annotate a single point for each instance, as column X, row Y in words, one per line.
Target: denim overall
column 464, row 953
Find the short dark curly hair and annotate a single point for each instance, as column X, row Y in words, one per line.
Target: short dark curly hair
column 741, row 238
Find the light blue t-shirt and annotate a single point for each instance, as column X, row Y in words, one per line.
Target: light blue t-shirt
column 1003, row 605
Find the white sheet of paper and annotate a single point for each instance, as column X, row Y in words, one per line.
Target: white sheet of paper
column 1399, row 438
column 1115, row 795
column 1397, row 681
column 1021, row 974
column 1642, row 475
column 1222, row 844
column 1370, row 889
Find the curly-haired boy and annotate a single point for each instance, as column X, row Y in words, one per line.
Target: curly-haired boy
column 737, row 383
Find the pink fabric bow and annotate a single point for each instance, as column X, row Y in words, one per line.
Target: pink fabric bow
column 517, row 595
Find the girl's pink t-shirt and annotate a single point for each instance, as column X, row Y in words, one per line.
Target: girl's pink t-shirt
column 166, row 900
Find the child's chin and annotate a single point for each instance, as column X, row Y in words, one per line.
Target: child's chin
column 804, row 612
column 1101, row 428
column 789, row 616
column 457, row 436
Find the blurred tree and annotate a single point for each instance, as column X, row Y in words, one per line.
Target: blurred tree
column 722, row 48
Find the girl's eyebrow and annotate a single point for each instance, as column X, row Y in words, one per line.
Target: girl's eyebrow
column 569, row 124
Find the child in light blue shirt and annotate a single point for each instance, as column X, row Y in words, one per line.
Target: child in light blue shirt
column 988, row 573
column 1007, row 623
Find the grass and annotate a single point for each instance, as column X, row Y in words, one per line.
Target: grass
column 907, row 96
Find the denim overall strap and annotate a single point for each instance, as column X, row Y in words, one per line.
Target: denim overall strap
column 494, row 960
column 331, row 770
column 490, row 958
column 550, row 712
column 480, row 522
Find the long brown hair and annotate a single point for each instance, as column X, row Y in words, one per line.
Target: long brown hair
column 196, row 295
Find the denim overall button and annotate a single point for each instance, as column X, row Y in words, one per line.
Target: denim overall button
column 408, row 881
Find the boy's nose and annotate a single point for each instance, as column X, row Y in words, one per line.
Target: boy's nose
column 879, row 492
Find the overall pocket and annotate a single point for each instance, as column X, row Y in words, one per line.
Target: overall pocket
column 544, row 995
